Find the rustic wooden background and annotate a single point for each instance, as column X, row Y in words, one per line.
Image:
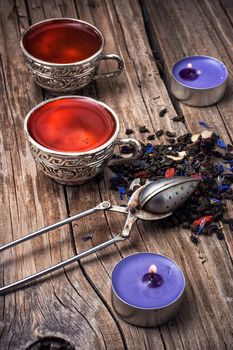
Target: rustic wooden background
column 74, row 304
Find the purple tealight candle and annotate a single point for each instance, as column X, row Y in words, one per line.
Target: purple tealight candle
column 199, row 80
column 147, row 289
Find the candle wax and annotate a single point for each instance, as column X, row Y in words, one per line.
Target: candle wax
column 62, row 41
column 71, row 125
column 209, row 72
column 128, row 281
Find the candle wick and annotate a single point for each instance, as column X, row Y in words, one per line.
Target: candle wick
column 152, row 279
column 152, row 269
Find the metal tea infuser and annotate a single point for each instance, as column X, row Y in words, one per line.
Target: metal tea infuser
column 153, row 201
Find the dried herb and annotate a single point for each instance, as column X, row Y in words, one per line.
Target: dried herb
column 163, row 112
column 150, row 137
column 143, row 129
column 159, row 133
column 170, row 134
column 178, row 118
column 200, row 158
column 87, row 237
column 129, row 131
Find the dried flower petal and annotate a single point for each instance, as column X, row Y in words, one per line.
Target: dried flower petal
column 215, row 200
column 202, row 123
column 87, row 237
column 207, row 219
column 170, row 172
column 122, row 191
column 206, row 134
column 181, row 156
column 195, row 137
column 221, row 144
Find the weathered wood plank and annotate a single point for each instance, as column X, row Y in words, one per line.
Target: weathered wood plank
column 174, row 34
column 76, row 304
column 132, row 109
column 30, row 200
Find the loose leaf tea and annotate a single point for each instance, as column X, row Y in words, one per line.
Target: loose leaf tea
column 129, row 131
column 187, row 156
column 163, row 112
column 143, row 129
column 178, row 118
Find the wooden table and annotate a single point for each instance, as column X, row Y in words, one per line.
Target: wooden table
column 74, row 304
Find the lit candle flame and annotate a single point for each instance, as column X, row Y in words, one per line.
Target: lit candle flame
column 189, row 65
column 152, row 269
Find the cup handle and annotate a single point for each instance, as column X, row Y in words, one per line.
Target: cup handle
column 120, row 66
column 136, row 153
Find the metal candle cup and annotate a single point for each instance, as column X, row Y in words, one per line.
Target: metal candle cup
column 144, row 302
column 199, row 80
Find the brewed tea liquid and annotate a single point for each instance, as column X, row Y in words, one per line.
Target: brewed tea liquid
column 71, row 125
column 62, row 41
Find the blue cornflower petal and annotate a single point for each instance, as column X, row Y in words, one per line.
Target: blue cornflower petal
column 220, row 168
column 221, row 144
column 122, row 191
column 222, row 188
column 215, row 200
column 200, row 229
column 227, row 161
column 202, row 123
column 150, row 149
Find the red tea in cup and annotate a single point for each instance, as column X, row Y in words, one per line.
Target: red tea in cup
column 71, row 125
column 64, row 54
column 72, row 138
column 62, row 41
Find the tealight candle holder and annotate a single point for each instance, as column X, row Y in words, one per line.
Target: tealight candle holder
column 147, row 289
column 199, row 80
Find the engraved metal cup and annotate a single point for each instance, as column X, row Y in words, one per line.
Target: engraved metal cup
column 73, row 168
column 66, row 78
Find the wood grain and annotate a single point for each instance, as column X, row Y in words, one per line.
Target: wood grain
column 57, row 307
column 75, row 304
column 205, row 31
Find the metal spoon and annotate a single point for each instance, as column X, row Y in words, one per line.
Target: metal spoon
column 153, row 201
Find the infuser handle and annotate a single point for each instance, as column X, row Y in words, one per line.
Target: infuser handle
column 22, row 282
column 102, row 206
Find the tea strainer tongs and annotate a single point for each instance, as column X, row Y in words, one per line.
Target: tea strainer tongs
column 152, row 201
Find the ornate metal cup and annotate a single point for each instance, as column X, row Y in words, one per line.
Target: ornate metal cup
column 65, row 78
column 74, row 168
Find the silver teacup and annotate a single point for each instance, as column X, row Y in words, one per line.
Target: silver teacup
column 72, row 168
column 58, row 77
